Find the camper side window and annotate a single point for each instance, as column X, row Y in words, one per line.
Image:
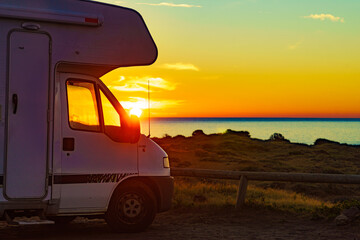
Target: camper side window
column 82, row 106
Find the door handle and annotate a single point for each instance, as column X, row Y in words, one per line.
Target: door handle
column 68, row 144
column 15, row 102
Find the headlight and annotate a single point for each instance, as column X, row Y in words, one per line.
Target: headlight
column 166, row 162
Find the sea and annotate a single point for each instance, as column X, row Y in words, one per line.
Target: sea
column 297, row 130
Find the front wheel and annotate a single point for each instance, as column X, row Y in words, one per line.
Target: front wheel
column 132, row 208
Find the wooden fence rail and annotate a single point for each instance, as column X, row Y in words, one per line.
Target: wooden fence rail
column 244, row 176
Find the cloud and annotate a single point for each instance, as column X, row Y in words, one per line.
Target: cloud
column 181, row 66
column 171, row 5
column 295, row 45
column 142, row 103
column 115, row 2
column 323, row 16
column 140, row 84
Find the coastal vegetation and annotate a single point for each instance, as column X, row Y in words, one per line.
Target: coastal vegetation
column 236, row 150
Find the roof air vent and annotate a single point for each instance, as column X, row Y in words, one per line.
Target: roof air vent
column 30, row 26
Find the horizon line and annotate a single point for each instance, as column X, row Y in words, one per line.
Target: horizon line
column 357, row 118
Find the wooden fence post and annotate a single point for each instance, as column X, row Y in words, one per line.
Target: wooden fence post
column 240, row 199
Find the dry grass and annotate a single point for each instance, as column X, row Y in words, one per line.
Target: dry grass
column 220, row 194
column 199, row 194
column 238, row 151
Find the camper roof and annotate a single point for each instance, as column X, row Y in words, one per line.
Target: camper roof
column 86, row 36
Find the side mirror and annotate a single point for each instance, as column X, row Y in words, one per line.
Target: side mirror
column 129, row 133
column 134, row 129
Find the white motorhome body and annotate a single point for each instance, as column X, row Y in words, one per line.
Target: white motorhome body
column 61, row 153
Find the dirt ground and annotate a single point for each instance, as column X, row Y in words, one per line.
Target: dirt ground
column 197, row 224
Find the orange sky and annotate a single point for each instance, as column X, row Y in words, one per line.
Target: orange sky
column 264, row 58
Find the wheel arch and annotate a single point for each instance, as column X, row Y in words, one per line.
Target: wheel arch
column 145, row 180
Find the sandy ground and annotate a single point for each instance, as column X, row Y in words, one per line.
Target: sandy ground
column 197, row 224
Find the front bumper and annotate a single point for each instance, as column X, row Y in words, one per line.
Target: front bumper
column 165, row 186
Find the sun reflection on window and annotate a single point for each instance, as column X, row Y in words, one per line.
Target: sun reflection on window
column 83, row 111
column 111, row 116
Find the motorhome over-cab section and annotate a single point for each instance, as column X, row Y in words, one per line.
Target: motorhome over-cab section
column 67, row 146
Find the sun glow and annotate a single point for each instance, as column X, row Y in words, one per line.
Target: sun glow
column 136, row 111
column 307, row 67
column 135, row 106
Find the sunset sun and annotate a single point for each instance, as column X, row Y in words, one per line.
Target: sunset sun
column 135, row 111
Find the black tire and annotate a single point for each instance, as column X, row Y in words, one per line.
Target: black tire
column 132, row 208
column 61, row 219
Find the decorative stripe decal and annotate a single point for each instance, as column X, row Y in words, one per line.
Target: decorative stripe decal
column 84, row 178
column 91, row 178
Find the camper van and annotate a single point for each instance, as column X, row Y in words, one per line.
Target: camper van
column 68, row 148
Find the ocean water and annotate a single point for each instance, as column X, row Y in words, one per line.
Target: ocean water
column 299, row 130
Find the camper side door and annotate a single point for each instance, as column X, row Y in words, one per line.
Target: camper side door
column 92, row 162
